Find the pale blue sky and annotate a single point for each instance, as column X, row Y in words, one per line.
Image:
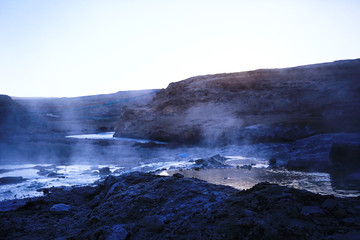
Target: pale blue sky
column 77, row 47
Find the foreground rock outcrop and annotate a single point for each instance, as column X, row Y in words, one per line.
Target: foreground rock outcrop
column 146, row 206
column 266, row 105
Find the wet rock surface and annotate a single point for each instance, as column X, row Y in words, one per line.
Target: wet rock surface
column 11, row 180
column 104, row 171
column 147, row 206
column 215, row 161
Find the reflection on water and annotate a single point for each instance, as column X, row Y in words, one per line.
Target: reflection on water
column 123, row 156
column 46, row 176
column 244, row 179
column 109, row 135
column 42, row 176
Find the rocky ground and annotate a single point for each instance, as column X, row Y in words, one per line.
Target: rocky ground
column 147, row 206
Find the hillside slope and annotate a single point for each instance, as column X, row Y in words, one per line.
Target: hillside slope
column 87, row 114
column 254, row 106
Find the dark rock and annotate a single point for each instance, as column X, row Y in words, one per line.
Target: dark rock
column 49, row 173
column 329, row 204
column 272, row 161
column 347, row 236
column 95, row 202
column 94, row 220
column 11, row 180
column 147, row 206
column 339, row 212
column 355, row 176
column 60, row 208
column 348, row 220
column 345, row 157
column 300, row 165
column 104, row 171
column 4, row 171
column 150, row 144
column 97, row 234
column 247, row 167
column 8, row 205
column 345, row 179
column 211, row 162
column 55, row 175
column 153, row 223
column 115, row 188
column 311, row 210
column 178, row 175
column 119, row 233
column 199, row 161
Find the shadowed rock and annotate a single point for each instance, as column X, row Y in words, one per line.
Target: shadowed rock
column 345, row 157
column 11, row 180
column 60, row 208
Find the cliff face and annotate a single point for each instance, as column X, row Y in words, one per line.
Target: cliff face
column 15, row 119
column 262, row 105
column 87, row 114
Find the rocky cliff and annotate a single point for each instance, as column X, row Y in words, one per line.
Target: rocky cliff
column 16, row 119
column 86, row 114
column 254, row 106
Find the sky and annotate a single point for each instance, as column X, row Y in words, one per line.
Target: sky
column 66, row 48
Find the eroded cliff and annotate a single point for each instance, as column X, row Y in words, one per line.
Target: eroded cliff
column 254, row 106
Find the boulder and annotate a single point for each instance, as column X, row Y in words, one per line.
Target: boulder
column 345, row 157
column 211, row 162
column 178, row 175
column 60, row 208
column 104, row 171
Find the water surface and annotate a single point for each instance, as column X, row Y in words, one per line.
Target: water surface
column 83, row 166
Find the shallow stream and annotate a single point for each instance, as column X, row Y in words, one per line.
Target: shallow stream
column 165, row 161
